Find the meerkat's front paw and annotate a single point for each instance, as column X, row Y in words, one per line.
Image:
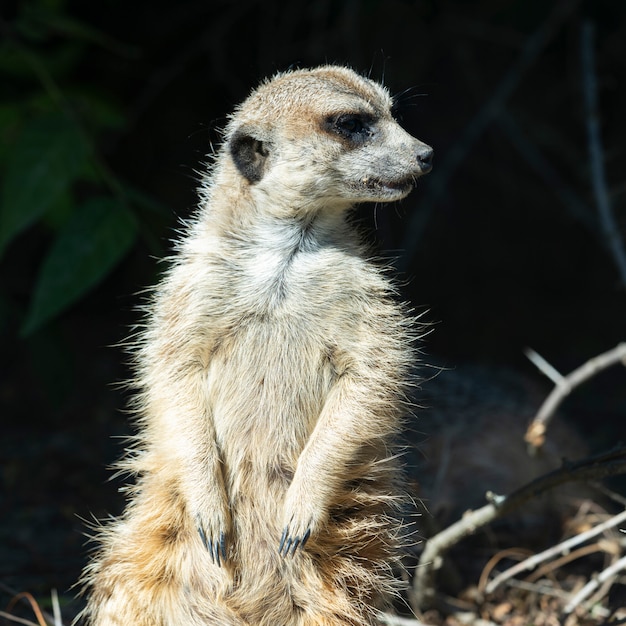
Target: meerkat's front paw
column 302, row 518
column 214, row 542
column 213, row 528
column 292, row 539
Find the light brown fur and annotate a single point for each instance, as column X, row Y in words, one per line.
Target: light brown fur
column 271, row 377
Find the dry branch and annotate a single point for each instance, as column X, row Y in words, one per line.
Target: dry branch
column 535, row 435
column 595, row 467
column 604, row 576
column 561, row 548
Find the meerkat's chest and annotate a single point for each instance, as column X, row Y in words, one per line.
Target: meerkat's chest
column 268, row 377
column 272, row 371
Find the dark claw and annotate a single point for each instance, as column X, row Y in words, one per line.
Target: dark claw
column 203, row 537
column 223, row 546
column 216, row 549
column 296, row 543
column 215, row 554
column 285, row 543
column 282, row 540
column 289, row 545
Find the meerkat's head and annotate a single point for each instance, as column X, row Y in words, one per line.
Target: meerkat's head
column 323, row 137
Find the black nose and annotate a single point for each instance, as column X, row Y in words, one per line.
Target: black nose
column 425, row 159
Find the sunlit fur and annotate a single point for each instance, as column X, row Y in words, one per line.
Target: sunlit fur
column 270, row 381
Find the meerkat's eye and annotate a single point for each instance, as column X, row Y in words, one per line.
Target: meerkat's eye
column 352, row 126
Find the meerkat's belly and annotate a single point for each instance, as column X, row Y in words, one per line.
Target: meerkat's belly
column 268, row 383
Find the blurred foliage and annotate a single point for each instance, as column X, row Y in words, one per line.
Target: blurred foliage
column 54, row 177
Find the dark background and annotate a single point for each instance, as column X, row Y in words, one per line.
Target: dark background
column 118, row 103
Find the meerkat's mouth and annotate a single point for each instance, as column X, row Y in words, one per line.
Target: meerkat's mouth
column 388, row 187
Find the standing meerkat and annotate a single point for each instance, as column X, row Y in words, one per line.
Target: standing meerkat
column 271, row 376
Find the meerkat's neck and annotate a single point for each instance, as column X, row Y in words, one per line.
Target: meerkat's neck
column 278, row 232
column 259, row 247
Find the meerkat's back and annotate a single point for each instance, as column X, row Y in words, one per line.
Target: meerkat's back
column 271, row 377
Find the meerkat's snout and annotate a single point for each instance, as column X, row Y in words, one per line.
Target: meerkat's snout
column 385, row 159
column 425, row 158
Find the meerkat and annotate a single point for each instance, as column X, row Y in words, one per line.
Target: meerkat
column 271, row 377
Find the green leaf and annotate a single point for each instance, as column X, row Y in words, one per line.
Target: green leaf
column 23, row 62
column 96, row 108
column 50, row 154
column 85, row 251
column 60, row 212
column 56, row 22
column 10, row 119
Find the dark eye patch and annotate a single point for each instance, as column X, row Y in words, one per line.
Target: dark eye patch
column 352, row 126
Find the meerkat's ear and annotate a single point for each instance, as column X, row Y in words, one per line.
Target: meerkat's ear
column 249, row 154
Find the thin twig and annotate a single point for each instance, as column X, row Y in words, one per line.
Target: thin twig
column 609, row 493
column 608, row 547
column 567, row 195
column 510, row 553
column 17, row 620
column 601, row 593
column 438, row 183
column 609, row 464
column 535, row 435
column 56, row 608
column 596, row 152
column 33, row 603
column 13, row 592
column 540, row 588
column 543, row 366
column 592, row 585
column 560, row 548
column 432, row 557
